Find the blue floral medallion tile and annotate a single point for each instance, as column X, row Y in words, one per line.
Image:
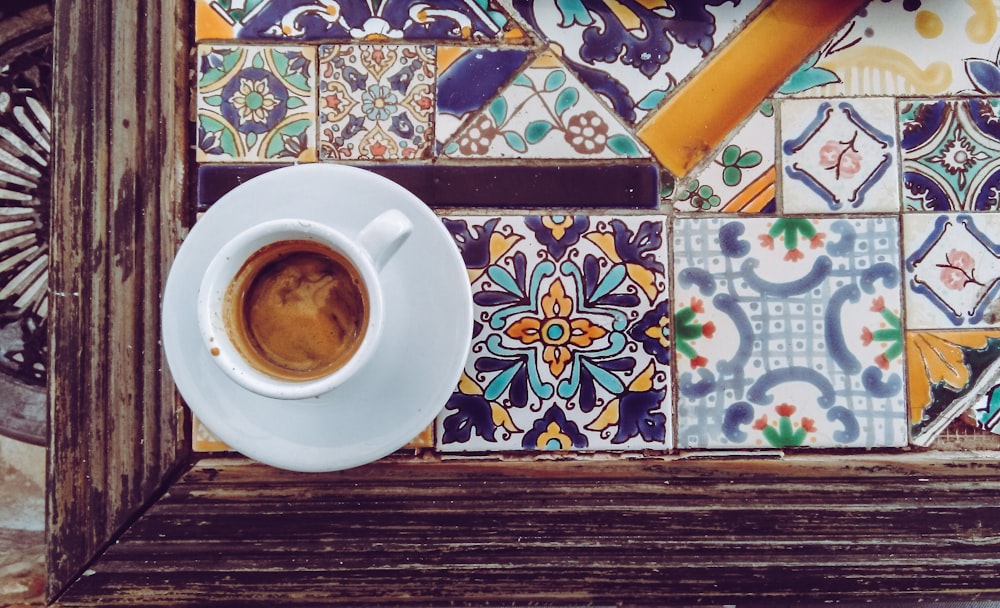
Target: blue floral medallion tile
column 256, row 104
column 634, row 54
column 839, row 155
column 546, row 112
column 570, row 346
column 952, row 269
column 346, row 20
column 951, row 154
column 787, row 333
column 376, row 102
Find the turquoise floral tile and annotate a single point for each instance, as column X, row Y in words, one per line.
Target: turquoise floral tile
column 952, row 265
column 570, row 348
column 471, row 21
column 634, row 54
column 546, row 112
column 787, row 333
column 951, row 154
column 741, row 178
column 376, row 102
column 256, row 103
column 468, row 79
column 839, row 155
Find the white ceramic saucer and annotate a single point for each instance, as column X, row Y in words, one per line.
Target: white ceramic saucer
column 424, row 343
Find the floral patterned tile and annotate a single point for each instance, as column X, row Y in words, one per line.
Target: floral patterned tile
column 256, row 103
column 345, row 20
column 839, row 155
column 546, row 112
column 634, row 54
column 929, row 47
column 951, row 154
column 952, row 270
column 570, row 347
column 741, row 178
column 469, row 78
column 376, row 102
column 950, row 373
column 788, row 333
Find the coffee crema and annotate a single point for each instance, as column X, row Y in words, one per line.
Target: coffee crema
column 297, row 310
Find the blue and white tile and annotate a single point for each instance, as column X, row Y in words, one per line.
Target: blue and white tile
column 839, row 155
column 952, row 270
column 787, row 333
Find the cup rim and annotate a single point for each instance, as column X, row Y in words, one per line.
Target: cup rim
column 223, row 268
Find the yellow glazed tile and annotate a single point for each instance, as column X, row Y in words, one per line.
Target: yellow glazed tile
column 733, row 84
column 947, row 370
column 210, row 23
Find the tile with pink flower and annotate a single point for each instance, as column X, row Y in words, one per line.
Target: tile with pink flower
column 839, row 155
column 787, row 333
column 570, row 348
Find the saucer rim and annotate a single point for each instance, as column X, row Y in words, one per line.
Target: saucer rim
column 180, row 290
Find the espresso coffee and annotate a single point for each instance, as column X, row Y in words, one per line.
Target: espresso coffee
column 297, row 310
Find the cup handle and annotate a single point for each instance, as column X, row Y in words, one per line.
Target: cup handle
column 384, row 235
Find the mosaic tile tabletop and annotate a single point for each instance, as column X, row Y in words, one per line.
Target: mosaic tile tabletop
column 726, row 224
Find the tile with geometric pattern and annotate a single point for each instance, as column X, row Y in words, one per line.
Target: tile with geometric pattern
column 570, row 346
column 787, row 333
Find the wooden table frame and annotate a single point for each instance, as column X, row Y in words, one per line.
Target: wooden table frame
column 135, row 519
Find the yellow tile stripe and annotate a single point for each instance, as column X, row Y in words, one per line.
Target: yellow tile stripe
column 733, row 84
column 755, row 196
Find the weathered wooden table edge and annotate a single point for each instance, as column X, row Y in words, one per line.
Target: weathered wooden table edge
column 133, row 520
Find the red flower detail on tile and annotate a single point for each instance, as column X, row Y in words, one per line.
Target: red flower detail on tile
column 761, row 423
column 708, row 329
column 878, row 304
column 697, row 305
column 809, row 425
column 794, row 255
column 817, row 240
column 785, row 409
column 882, row 362
column 866, row 336
column 767, row 241
column 699, row 361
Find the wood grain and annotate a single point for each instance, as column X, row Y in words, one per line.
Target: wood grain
column 403, row 531
column 603, row 532
column 120, row 123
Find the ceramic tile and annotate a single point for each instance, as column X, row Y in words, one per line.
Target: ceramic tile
column 951, row 154
column 929, row 47
column 476, row 21
column 951, row 372
column 546, row 112
column 952, row 270
column 788, row 333
column 839, row 155
column 256, row 103
column 741, row 178
column 634, row 54
column 696, row 118
column 469, row 78
column 376, row 102
column 569, row 348
column 623, row 185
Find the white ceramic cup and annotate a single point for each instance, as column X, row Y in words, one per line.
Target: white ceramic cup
column 367, row 251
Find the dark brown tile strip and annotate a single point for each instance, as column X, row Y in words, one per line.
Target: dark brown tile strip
column 621, row 186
